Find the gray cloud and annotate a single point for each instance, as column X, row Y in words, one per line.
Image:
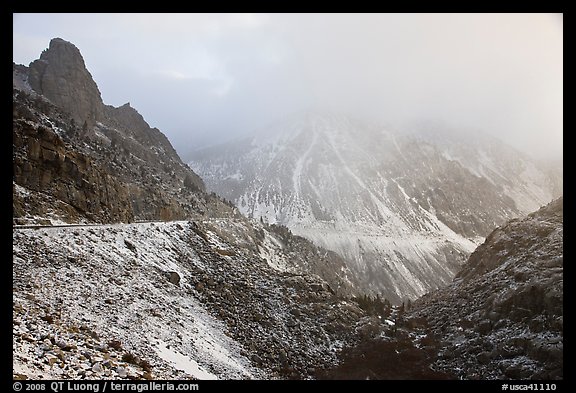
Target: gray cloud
column 204, row 78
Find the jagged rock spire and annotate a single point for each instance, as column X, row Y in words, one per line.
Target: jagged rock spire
column 61, row 76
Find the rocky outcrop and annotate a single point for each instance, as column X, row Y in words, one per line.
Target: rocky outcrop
column 20, row 77
column 525, row 242
column 78, row 160
column 502, row 318
column 132, row 124
column 61, row 76
column 52, row 179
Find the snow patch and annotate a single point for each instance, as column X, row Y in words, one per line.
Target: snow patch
column 182, row 362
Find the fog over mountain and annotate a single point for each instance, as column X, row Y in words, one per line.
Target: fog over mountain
column 302, row 196
column 206, row 78
column 404, row 210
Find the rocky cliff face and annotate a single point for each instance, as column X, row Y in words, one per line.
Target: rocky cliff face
column 502, row 317
column 54, row 180
column 133, row 125
column 404, row 209
column 76, row 159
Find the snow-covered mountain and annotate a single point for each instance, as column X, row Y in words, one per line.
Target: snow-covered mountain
column 194, row 289
column 404, row 209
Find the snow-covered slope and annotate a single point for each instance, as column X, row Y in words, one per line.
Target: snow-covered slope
column 169, row 300
column 404, row 210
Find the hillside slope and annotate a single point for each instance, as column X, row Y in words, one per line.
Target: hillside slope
column 170, row 300
column 214, row 295
column 502, row 317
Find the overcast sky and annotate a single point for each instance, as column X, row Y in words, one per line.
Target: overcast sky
column 202, row 78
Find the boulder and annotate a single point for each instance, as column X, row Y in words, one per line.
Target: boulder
column 175, row 278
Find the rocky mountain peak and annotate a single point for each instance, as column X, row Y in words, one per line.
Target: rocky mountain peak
column 61, row 76
column 63, row 49
column 82, row 160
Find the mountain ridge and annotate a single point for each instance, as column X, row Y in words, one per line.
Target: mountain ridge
column 68, row 145
column 361, row 189
column 501, row 318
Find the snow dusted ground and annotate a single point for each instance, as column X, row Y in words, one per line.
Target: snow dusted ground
column 419, row 262
column 111, row 280
column 169, row 301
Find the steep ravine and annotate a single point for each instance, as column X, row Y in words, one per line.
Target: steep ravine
column 501, row 318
